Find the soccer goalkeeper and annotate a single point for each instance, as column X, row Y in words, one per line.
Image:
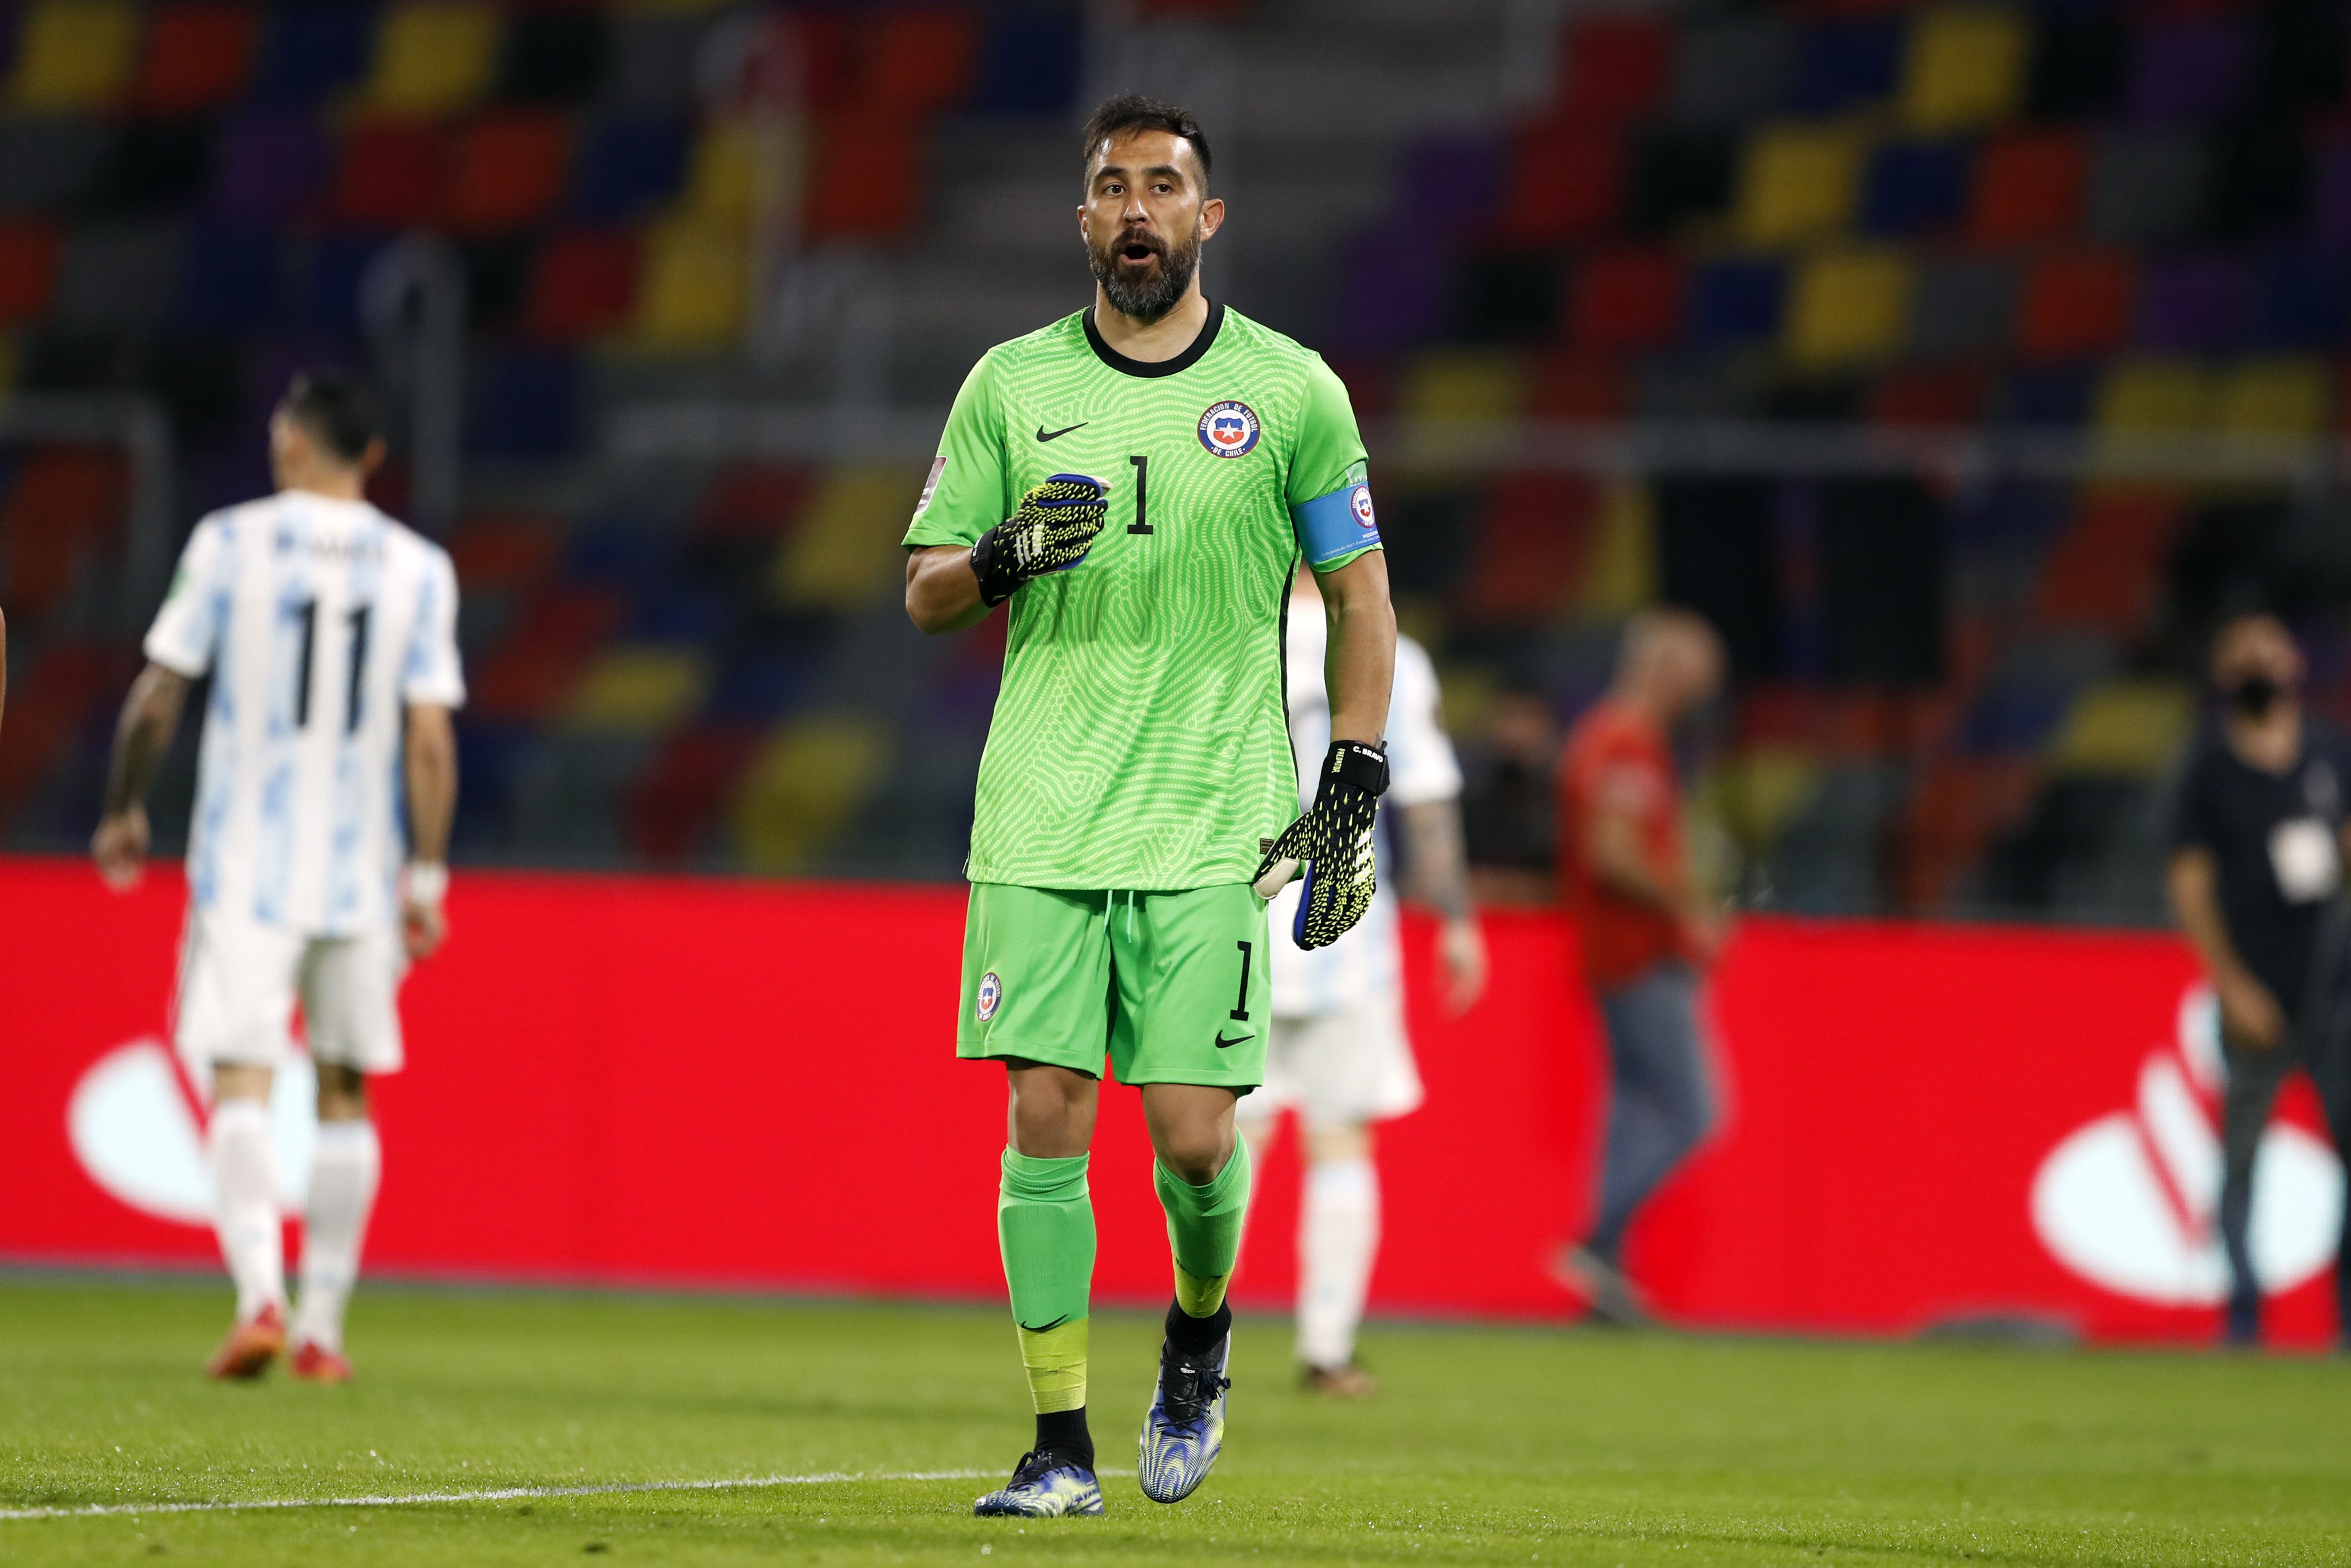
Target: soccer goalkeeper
column 1137, row 480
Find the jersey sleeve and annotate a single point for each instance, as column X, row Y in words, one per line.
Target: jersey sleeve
column 1421, row 768
column 965, row 495
column 1330, row 493
column 432, row 673
column 188, row 628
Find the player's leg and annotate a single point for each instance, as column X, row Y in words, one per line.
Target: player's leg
column 2253, row 1077
column 1660, row 1106
column 350, row 1008
column 1194, row 1005
column 1036, row 996
column 1338, row 1237
column 235, row 1005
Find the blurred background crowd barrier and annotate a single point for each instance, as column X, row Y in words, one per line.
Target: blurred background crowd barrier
column 1961, row 362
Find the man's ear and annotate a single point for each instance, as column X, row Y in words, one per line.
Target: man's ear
column 1212, row 217
column 372, row 458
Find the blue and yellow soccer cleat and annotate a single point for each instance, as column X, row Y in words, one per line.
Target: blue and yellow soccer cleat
column 1044, row 1485
column 1183, row 1430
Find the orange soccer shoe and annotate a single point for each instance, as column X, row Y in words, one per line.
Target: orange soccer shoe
column 314, row 1362
column 250, row 1347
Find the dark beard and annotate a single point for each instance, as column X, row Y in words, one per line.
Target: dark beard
column 1147, row 298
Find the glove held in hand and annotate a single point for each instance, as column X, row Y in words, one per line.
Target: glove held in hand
column 1052, row 531
column 1333, row 843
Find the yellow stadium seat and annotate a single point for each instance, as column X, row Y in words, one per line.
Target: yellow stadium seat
column 1756, row 789
column 1620, row 576
column 1849, row 308
column 434, row 56
column 2128, row 729
column 1797, row 184
column 803, row 784
column 1966, row 67
column 722, row 185
column 74, row 54
column 845, row 552
column 2273, row 397
column 694, row 288
column 2153, row 397
column 639, row 688
column 1453, row 386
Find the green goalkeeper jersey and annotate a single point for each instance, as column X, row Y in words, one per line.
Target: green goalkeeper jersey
column 1140, row 739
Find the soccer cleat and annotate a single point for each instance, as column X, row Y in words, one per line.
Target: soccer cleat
column 1348, row 1382
column 250, row 1346
column 314, row 1362
column 1044, row 1485
column 1183, row 1430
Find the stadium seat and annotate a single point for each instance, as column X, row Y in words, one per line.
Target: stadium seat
column 29, row 267
column 1965, row 69
column 1577, row 387
column 1457, row 386
column 1626, row 300
column 2076, row 303
column 693, row 286
column 1846, row 63
column 626, row 165
column 638, row 688
column 2129, row 730
column 330, row 293
column 116, row 275
column 523, row 404
column 751, row 500
column 2198, row 304
column 693, row 773
column 269, row 163
column 533, row 669
column 66, row 500
column 2299, row 301
column 1451, row 186
column 2187, row 67
column 229, row 276
column 393, row 174
column 844, row 554
column 1849, row 307
column 434, row 56
column 864, row 182
column 1797, row 182
column 1962, row 306
column 2103, row 573
column 722, row 179
column 199, row 56
column 51, row 161
column 921, row 58
column 1914, row 188
column 1756, row 789
column 507, row 170
column 583, row 285
column 74, row 55
column 2028, row 187
column 504, row 553
column 759, row 685
column 1028, row 64
column 2081, row 59
column 2152, row 397
column 1938, row 395
column 2146, row 185
column 807, row 777
column 1620, row 567
column 1616, row 67
column 310, row 50
column 1528, row 559
column 2272, row 397
column 1738, row 299
column 1678, row 174
column 1729, row 69
column 1565, row 183
column 553, row 54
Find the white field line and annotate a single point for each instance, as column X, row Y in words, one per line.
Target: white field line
column 497, row 1494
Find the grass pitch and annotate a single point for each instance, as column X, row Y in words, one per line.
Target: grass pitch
column 1488, row 1446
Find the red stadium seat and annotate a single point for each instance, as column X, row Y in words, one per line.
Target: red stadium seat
column 66, row 500
column 1944, row 394
column 1531, row 550
column 499, row 554
column 863, row 184
column 1617, row 67
column 1624, row 300
column 390, row 176
column 2104, row 572
column 921, row 60
column 2028, row 187
column 1579, row 387
column 507, row 170
column 1565, row 183
column 28, row 270
column 2076, row 303
column 690, row 781
column 757, row 500
column 534, row 669
column 199, row 56
column 584, row 283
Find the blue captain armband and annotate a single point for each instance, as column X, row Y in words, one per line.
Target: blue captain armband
column 1334, row 529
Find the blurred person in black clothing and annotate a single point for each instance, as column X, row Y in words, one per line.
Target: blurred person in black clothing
column 1506, row 805
column 2256, row 879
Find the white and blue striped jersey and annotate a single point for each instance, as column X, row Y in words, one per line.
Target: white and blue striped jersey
column 1367, row 965
column 319, row 622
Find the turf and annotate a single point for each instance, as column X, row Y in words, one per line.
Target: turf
column 1501, row 1446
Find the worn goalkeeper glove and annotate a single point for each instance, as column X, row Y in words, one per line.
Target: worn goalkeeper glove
column 1054, row 527
column 1334, row 841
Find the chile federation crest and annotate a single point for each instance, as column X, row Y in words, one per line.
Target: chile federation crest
column 1229, row 430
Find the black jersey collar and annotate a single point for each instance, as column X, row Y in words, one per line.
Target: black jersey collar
column 1182, row 361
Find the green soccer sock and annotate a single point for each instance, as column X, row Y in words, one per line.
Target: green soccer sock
column 1203, row 1229
column 1045, row 1223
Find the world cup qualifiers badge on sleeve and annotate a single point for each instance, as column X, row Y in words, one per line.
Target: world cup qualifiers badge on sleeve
column 991, row 992
column 1229, row 430
column 1360, row 503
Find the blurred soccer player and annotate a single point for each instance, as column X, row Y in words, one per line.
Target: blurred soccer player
column 1339, row 1056
column 330, row 631
column 1138, row 479
column 1646, row 928
column 2255, row 877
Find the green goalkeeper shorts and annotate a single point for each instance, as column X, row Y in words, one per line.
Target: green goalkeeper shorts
column 1172, row 985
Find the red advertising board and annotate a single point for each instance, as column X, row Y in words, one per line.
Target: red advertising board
column 711, row 1083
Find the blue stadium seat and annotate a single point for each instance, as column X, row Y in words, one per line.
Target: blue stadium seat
column 1843, row 64
column 525, row 403
column 1915, row 186
column 2299, row 300
column 314, row 48
column 1028, row 65
column 1737, row 300
column 626, row 163
column 229, row 278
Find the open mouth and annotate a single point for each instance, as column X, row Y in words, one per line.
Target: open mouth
column 1136, row 251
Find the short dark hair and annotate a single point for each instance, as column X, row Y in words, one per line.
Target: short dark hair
column 1134, row 112
column 337, row 410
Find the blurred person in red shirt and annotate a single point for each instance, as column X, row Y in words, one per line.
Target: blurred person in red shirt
column 1647, row 930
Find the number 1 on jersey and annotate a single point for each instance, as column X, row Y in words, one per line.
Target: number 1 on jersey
column 1141, row 524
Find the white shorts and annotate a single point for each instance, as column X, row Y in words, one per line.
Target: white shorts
column 1337, row 1069
column 239, row 980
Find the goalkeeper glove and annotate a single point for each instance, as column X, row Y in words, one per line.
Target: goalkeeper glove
column 1335, row 842
column 1052, row 530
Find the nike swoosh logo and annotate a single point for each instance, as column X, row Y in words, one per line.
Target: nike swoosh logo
column 1224, row 1044
column 1047, row 1328
column 1065, row 430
